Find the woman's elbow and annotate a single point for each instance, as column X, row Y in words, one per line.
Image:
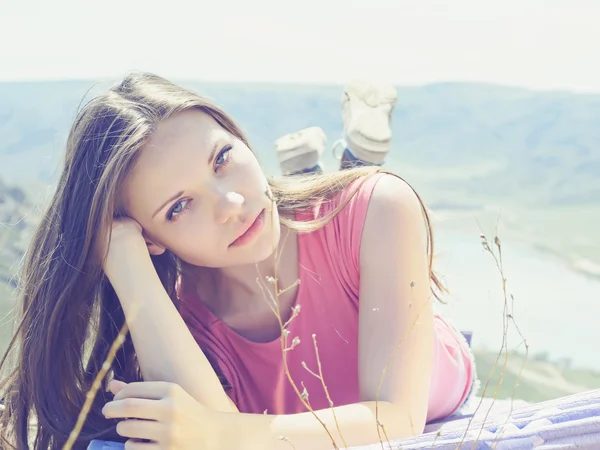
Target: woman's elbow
column 402, row 421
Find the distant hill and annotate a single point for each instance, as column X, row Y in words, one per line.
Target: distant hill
column 461, row 144
column 17, row 220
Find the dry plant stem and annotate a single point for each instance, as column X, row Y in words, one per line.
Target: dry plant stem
column 505, row 320
column 487, row 248
column 91, row 394
column 284, row 439
column 510, row 317
column 500, row 267
column 320, row 377
column 437, row 435
column 289, row 375
column 284, row 350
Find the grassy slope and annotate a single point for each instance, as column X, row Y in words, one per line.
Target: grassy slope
column 570, row 231
column 6, row 316
column 567, row 232
column 539, row 380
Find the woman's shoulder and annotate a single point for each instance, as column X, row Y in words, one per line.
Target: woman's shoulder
column 395, row 213
column 392, row 196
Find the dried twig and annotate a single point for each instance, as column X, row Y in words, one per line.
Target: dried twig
column 91, row 394
column 320, row 377
column 285, row 348
column 506, row 318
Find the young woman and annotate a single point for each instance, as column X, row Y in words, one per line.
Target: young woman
column 250, row 301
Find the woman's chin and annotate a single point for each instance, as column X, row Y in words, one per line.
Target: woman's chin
column 266, row 246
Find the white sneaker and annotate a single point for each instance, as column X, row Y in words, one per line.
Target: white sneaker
column 300, row 151
column 366, row 111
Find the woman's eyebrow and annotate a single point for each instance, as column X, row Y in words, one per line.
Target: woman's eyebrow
column 213, row 150
column 174, row 197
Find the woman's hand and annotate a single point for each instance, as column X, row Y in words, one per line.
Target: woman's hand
column 127, row 245
column 164, row 414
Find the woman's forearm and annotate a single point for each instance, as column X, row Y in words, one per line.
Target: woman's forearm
column 165, row 348
column 357, row 426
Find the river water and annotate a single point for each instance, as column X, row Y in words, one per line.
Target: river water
column 556, row 308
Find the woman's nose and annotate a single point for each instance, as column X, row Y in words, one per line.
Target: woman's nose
column 228, row 206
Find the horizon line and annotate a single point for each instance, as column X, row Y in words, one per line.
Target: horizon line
column 315, row 83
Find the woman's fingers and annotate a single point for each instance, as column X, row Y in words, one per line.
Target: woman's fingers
column 115, row 386
column 138, row 408
column 140, row 429
column 134, row 444
column 153, row 390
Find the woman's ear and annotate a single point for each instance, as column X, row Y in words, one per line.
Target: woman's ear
column 153, row 248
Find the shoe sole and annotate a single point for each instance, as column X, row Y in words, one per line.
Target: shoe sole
column 300, row 150
column 308, row 140
column 372, row 93
column 367, row 132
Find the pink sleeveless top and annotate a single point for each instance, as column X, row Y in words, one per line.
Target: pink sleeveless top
column 328, row 295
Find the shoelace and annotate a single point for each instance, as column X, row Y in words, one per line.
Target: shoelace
column 340, row 143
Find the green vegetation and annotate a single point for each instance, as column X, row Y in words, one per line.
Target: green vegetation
column 538, row 381
column 568, row 232
column 6, row 315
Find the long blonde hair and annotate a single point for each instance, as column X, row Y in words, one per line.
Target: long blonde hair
column 68, row 312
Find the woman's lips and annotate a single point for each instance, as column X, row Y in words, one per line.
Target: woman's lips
column 251, row 232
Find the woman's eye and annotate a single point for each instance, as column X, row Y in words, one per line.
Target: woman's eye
column 223, row 157
column 177, row 209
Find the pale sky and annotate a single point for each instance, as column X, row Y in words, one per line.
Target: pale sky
column 540, row 44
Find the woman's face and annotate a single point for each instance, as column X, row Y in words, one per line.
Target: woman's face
column 199, row 192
